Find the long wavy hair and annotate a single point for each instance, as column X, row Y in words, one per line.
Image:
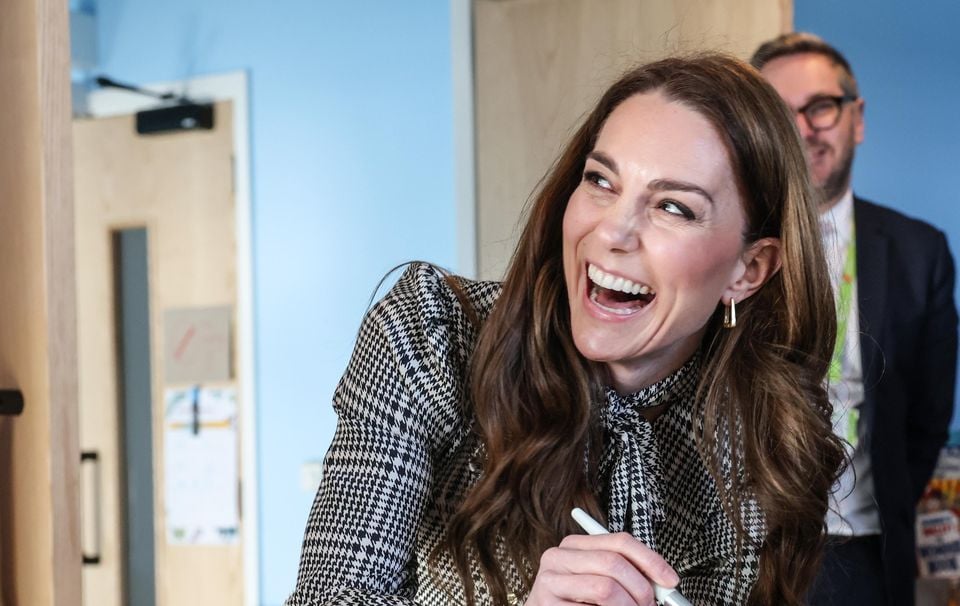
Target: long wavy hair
column 531, row 390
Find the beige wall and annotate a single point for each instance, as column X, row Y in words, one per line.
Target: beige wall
column 541, row 64
column 39, row 455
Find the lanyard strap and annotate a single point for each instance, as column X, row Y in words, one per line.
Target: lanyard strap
column 844, row 301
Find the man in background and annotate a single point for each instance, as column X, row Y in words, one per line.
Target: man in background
column 894, row 366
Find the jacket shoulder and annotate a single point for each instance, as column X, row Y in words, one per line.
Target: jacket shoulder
column 894, row 221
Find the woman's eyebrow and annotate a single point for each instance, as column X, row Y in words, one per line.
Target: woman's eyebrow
column 604, row 159
column 656, row 184
column 674, row 185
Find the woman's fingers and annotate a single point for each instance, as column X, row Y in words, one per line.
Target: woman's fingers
column 605, row 569
column 586, row 589
column 643, row 559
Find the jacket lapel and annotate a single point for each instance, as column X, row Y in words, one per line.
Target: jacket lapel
column 872, row 246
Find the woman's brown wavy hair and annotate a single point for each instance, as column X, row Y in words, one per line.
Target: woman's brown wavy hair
column 531, row 390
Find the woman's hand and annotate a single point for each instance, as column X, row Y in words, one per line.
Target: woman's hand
column 608, row 570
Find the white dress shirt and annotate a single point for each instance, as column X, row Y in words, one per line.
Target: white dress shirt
column 853, row 509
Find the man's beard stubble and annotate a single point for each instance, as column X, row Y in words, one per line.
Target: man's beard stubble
column 838, row 180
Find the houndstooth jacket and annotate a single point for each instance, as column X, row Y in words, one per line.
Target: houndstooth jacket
column 404, row 453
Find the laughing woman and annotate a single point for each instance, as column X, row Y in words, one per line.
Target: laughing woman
column 656, row 355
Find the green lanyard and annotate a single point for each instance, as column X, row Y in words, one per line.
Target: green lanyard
column 844, row 301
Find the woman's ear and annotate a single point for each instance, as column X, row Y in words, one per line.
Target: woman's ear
column 760, row 262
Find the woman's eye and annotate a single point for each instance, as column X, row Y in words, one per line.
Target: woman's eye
column 675, row 208
column 597, row 179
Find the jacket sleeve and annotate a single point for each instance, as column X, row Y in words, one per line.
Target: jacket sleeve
column 398, row 407
column 931, row 405
column 358, row 547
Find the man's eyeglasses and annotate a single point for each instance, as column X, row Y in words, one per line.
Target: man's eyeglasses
column 823, row 113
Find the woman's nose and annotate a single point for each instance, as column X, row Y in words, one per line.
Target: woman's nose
column 620, row 226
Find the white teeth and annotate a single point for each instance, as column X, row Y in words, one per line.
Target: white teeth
column 611, row 282
column 594, row 294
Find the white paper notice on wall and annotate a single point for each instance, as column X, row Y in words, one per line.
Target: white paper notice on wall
column 200, row 466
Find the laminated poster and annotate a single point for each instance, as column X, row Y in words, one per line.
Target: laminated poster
column 200, row 466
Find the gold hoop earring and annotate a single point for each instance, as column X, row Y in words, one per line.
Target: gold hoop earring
column 730, row 314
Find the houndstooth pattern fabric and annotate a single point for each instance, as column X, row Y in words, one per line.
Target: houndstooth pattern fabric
column 403, row 455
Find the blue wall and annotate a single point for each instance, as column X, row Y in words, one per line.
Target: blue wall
column 907, row 62
column 352, row 162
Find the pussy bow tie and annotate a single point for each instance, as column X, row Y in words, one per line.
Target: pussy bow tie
column 630, row 469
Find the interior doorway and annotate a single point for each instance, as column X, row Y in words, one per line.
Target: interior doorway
column 162, row 228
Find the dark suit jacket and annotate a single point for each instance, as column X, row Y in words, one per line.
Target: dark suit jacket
column 908, row 346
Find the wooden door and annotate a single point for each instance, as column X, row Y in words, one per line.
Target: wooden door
column 178, row 187
column 541, row 64
column 39, row 506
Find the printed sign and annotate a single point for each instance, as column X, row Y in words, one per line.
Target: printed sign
column 200, row 466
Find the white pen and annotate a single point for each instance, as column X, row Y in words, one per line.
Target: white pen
column 667, row 597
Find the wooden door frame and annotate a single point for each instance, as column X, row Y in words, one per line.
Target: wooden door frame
column 464, row 140
column 39, row 449
column 232, row 86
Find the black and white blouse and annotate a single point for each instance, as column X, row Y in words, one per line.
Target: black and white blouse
column 404, row 453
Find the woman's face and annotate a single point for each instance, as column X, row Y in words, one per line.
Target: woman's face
column 652, row 240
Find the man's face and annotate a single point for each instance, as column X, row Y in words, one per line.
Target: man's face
column 800, row 79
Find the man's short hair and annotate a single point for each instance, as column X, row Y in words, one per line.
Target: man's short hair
column 796, row 43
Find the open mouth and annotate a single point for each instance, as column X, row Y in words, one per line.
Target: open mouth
column 616, row 294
